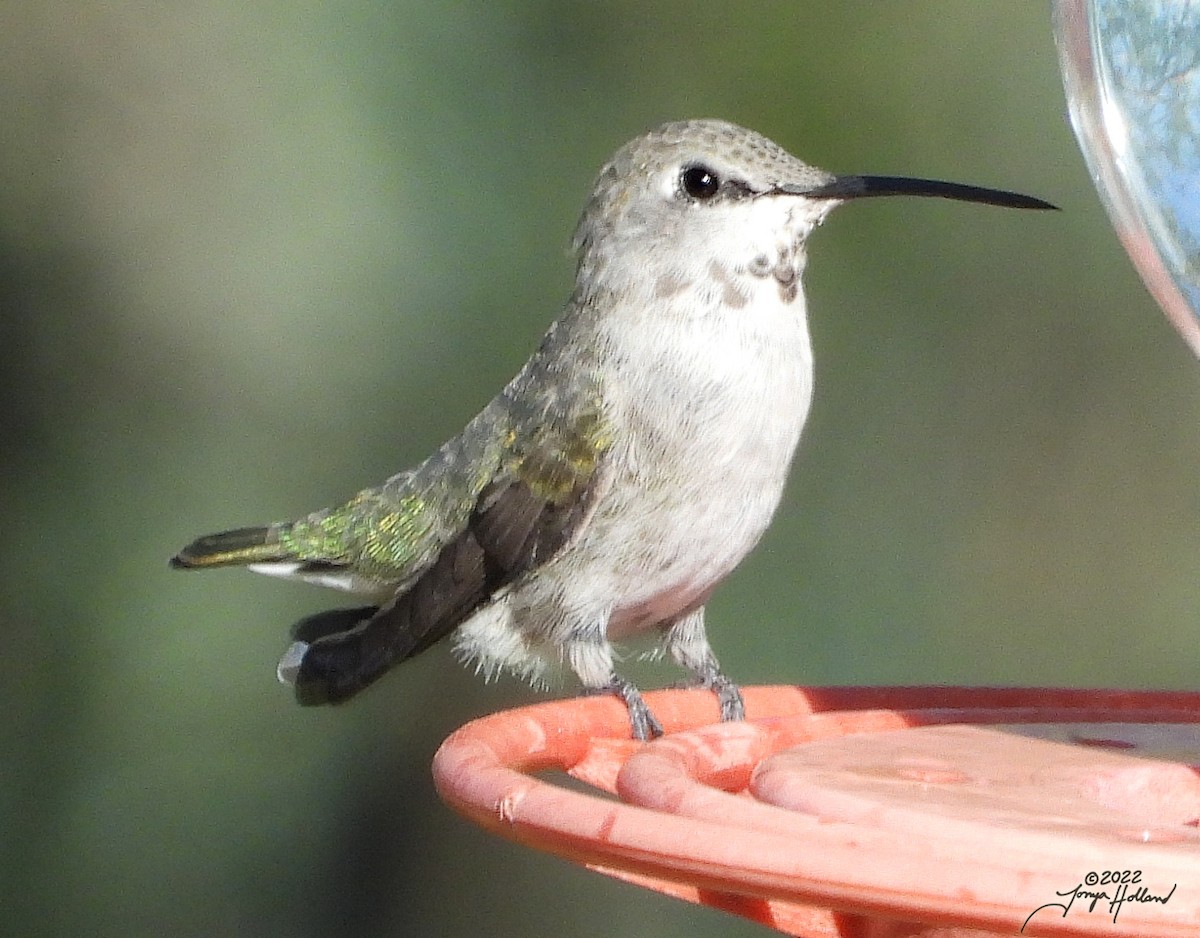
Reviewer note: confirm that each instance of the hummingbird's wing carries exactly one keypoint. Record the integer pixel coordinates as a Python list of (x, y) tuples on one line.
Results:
[(547, 477)]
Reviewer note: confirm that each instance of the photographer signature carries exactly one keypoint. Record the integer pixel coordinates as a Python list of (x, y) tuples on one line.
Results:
[(1126, 885)]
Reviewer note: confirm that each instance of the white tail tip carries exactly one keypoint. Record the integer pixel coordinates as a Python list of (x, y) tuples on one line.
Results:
[(289, 664)]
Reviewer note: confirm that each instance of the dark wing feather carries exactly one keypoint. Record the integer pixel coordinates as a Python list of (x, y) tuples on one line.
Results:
[(515, 526), (330, 622)]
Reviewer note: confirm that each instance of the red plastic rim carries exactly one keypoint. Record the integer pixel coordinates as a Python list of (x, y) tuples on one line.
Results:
[(851, 811)]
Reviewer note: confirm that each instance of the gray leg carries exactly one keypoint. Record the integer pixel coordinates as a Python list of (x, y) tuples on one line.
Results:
[(685, 640), (642, 720), (591, 660)]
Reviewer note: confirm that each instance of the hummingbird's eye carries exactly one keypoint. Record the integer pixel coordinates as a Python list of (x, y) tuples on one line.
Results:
[(699, 182)]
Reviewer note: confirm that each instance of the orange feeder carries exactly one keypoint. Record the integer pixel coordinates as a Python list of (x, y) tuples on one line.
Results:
[(931, 811)]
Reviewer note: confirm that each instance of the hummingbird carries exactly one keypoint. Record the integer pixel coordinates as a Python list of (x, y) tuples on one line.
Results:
[(628, 468)]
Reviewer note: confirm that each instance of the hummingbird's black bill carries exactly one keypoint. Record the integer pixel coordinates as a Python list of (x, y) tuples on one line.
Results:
[(861, 187)]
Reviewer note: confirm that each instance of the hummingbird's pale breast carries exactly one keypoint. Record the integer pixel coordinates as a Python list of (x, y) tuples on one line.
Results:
[(714, 387), (707, 384)]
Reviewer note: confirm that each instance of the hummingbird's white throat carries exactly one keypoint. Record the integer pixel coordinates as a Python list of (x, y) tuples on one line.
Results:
[(783, 224), (735, 254)]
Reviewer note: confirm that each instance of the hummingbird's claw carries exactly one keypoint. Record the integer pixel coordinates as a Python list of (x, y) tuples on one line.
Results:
[(642, 721), (730, 698), (729, 695)]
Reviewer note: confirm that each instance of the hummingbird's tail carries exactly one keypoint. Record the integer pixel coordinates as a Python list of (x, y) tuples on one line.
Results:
[(232, 548)]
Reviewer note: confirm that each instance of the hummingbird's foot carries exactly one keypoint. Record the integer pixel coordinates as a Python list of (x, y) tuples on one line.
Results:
[(729, 696), (686, 641), (644, 723)]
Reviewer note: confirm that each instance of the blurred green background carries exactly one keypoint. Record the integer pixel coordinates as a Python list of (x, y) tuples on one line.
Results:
[(254, 257)]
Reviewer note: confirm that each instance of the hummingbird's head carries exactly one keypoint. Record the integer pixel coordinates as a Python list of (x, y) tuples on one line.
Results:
[(705, 198), (691, 194)]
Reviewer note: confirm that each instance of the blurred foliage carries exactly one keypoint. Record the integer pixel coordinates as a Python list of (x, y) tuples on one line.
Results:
[(253, 257)]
